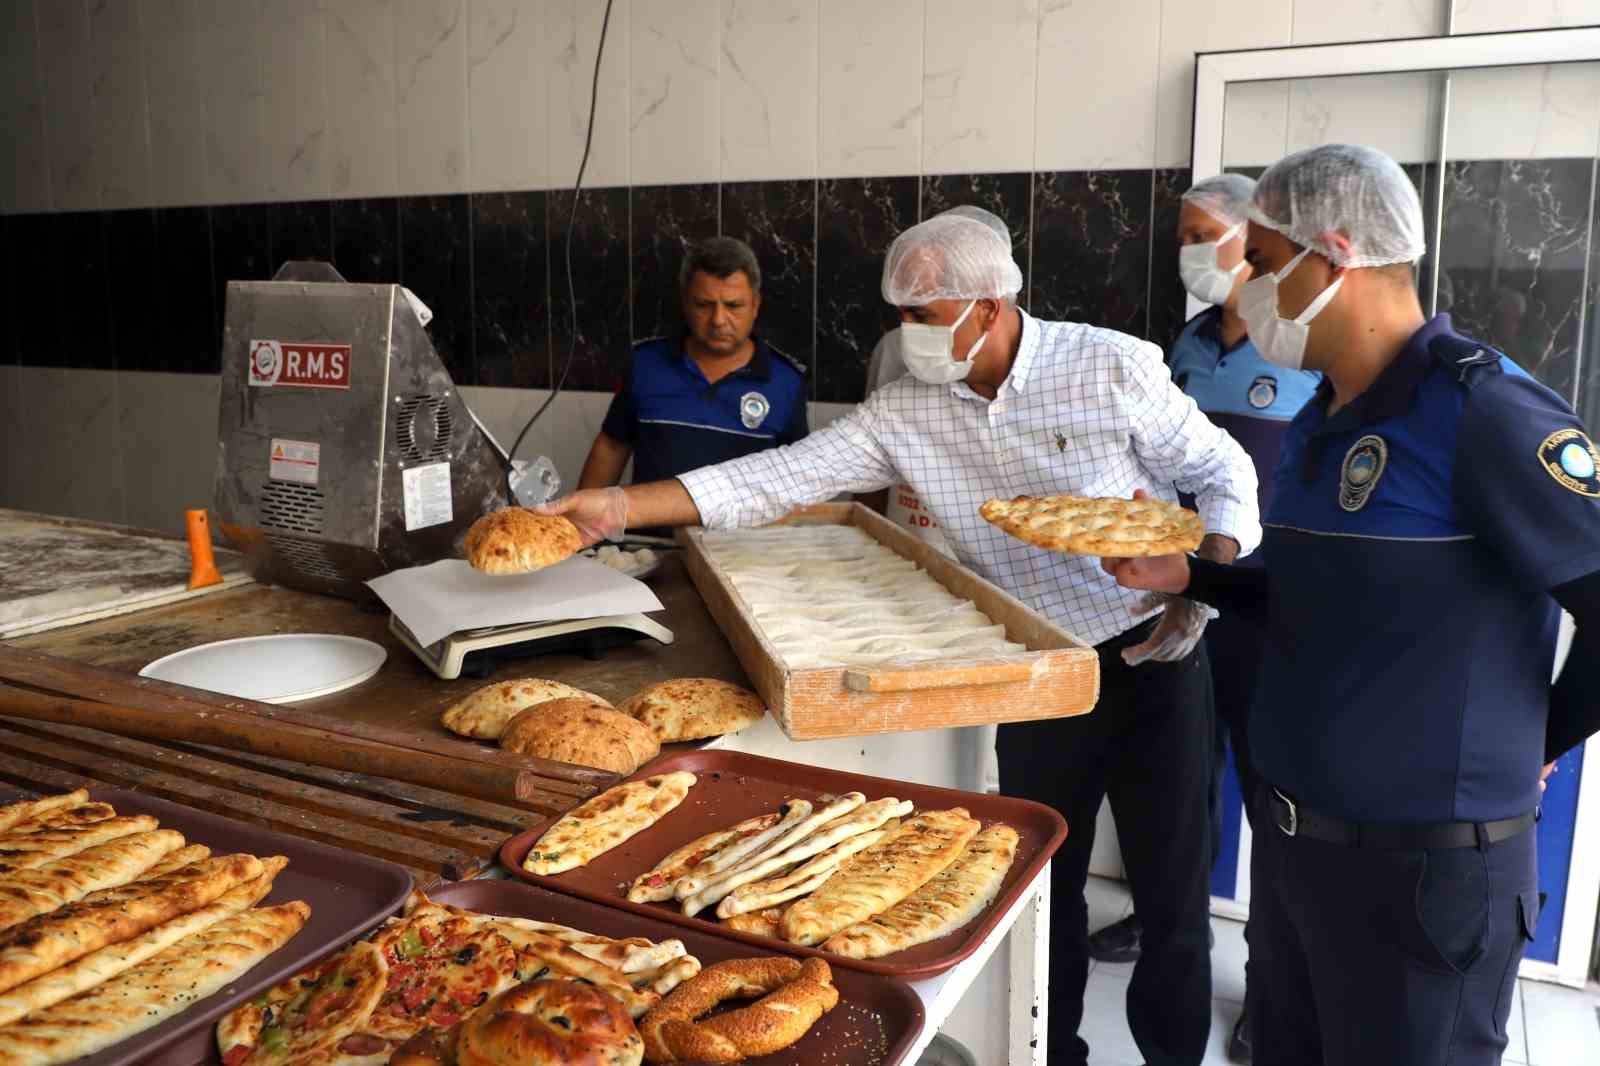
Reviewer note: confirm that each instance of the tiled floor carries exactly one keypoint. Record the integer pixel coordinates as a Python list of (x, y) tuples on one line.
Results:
[(1549, 1026)]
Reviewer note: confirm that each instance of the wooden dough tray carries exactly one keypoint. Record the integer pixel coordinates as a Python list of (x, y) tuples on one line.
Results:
[(731, 786), (875, 1024), (1056, 677)]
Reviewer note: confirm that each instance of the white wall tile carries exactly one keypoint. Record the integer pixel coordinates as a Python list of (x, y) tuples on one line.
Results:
[(1187, 28), (362, 147), (175, 102), (1366, 20), (1395, 113), (768, 85), (871, 87), (1255, 124), (572, 39), (70, 423), (1524, 112), (431, 95), (16, 482), (167, 434), (24, 174), (978, 87), (674, 132), (1096, 102), (230, 82), (122, 131), (1490, 16), (66, 62), (294, 100), (507, 101)]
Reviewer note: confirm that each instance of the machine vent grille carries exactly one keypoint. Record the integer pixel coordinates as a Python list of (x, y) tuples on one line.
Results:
[(305, 557), (422, 429), (291, 507)]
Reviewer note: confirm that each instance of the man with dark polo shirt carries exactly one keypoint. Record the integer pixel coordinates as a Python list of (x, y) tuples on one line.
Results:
[(713, 393)]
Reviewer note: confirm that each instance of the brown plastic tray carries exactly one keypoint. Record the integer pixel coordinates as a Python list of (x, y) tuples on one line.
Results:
[(876, 1022), (349, 893), (733, 786)]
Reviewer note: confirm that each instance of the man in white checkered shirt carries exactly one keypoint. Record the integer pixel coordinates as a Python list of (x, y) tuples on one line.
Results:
[(1000, 404)]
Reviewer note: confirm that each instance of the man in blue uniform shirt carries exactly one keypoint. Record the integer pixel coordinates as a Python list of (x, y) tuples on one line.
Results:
[(715, 393), (1433, 508)]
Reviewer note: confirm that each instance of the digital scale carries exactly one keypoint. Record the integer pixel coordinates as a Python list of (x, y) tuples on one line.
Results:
[(477, 652)]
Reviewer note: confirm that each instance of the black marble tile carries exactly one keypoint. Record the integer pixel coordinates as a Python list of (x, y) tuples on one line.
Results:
[(1516, 239), (778, 220), (1091, 247), (436, 264), (301, 229), (86, 339), (239, 251), (665, 220), (1168, 298), (366, 240), (857, 220), (139, 329), (193, 317), (510, 290), (8, 312), (36, 288), (598, 353), (1007, 195)]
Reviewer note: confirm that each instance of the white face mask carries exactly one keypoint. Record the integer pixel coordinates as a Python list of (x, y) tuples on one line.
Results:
[(1197, 266), (1281, 341), (929, 351)]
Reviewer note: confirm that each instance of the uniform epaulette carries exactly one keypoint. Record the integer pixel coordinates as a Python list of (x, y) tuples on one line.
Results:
[(1467, 359), (800, 368)]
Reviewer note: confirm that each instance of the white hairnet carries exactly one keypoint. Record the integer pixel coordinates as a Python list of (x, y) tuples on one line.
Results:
[(978, 214), (949, 257), (1345, 188), (1225, 197)]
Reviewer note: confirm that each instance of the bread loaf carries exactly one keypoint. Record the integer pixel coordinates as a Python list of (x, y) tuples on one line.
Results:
[(516, 540), (584, 732)]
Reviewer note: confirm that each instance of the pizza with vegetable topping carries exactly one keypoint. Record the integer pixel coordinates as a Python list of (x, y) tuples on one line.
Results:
[(310, 1013), (441, 968)]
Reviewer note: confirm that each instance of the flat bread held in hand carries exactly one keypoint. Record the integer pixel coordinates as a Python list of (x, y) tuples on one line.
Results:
[(601, 823), (485, 714), (517, 541), (584, 732), (656, 885), (692, 708), (1106, 526), (883, 875), (954, 897)]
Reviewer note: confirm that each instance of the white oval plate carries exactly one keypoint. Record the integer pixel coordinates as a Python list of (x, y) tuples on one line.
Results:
[(280, 668)]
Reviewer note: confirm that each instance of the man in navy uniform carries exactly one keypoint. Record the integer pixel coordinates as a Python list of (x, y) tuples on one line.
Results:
[(1434, 507), (714, 393)]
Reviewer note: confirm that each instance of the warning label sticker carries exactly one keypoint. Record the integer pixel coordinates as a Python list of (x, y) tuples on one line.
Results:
[(295, 460), (427, 495)]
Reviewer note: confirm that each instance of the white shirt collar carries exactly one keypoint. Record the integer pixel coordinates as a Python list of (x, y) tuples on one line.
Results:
[(1021, 366)]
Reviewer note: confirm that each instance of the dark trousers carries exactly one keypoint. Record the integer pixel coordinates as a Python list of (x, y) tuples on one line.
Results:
[(1234, 648), (1363, 956), (1146, 745)]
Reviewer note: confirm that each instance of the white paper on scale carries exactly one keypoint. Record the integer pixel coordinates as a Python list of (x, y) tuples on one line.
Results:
[(427, 495), (449, 596)]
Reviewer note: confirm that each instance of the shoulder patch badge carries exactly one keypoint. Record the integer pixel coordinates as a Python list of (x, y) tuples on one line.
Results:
[(1363, 466), (1263, 391), (753, 408), (1569, 456)]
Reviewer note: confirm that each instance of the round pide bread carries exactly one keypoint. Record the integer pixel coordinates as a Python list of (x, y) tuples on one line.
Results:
[(584, 732), (517, 541), (550, 1021), (485, 714), (691, 708)]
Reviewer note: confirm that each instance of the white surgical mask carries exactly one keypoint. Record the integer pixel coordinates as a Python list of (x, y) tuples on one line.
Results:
[(1197, 266), (1281, 341), (929, 351)]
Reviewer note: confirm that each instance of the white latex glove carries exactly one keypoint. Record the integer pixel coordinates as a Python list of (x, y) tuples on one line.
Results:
[(1182, 623), (599, 514)]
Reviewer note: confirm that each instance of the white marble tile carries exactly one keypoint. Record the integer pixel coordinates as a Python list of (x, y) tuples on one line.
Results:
[(1491, 16), (1396, 113), (674, 132), (768, 86), (66, 61), (1187, 28), (572, 40), (1255, 124), (1524, 112), (230, 83), (69, 419), (1108, 901), (1096, 105), (1516, 1031), (564, 433), (294, 100), (362, 152), (978, 87), (1366, 20), (176, 103), (870, 73), (25, 175), (1105, 1021), (1228, 957), (122, 131), (431, 95), (1224, 1015), (167, 429), (1105, 858), (1563, 1025), (510, 134), (820, 414)]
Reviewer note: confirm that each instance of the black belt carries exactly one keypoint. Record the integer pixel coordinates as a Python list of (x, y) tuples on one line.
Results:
[(1292, 819)]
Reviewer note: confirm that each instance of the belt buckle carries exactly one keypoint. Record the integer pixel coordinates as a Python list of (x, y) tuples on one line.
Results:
[(1294, 815)]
